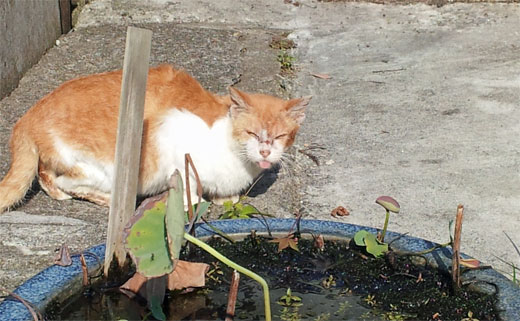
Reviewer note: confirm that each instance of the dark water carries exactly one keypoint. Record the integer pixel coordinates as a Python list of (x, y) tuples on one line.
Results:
[(329, 305), (334, 283)]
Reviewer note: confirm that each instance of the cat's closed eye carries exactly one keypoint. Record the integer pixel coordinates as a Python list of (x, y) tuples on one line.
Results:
[(280, 136), (250, 133)]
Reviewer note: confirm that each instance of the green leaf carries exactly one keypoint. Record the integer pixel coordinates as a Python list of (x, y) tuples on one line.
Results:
[(204, 206), (388, 203), (154, 293), (155, 307), (238, 210), (146, 242), (175, 215), (200, 208), (226, 215), (228, 205), (359, 237), (249, 210), (375, 247), (290, 300), (293, 244)]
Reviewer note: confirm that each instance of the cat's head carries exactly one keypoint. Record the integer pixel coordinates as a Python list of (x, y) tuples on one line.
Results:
[(265, 125)]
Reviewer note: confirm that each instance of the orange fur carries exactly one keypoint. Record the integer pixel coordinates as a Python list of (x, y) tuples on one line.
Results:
[(267, 113), (82, 114)]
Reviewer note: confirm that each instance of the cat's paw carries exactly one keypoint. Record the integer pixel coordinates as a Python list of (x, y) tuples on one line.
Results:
[(221, 200)]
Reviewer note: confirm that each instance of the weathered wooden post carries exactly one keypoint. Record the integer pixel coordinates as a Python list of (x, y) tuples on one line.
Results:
[(455, 261), (129, 134)]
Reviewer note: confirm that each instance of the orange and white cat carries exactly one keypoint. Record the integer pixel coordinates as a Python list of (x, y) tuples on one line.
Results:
[(68, 138)]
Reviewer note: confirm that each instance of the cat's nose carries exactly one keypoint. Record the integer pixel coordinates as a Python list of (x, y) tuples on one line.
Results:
[(265, 152)]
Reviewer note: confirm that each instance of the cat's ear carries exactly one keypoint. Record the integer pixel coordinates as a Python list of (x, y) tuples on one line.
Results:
[(296, 108), (238, 102)]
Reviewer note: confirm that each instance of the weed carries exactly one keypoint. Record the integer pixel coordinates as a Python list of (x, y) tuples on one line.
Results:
[(370, 300), (343, 307), (286, 61), (290, 314), (470, 317), (215, 273), (376, 245), (516, 280), (238, 210), (329, 282), (323, 317), (290, 300), (281, 42)]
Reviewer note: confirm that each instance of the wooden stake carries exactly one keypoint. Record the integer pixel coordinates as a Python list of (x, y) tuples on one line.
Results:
[(84, 269), (65, 16), (129, 134), (455, 261), (232, 297), (188, 162)]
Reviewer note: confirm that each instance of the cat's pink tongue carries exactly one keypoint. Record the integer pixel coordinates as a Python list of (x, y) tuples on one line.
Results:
[(264, 164)]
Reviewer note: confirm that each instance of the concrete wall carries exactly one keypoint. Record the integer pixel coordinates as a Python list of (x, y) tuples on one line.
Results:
[(27, 29)]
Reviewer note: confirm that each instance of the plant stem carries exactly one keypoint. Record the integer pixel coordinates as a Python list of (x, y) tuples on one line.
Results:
[(438, 246), (387, 218), (217, 230), (237, 267), (37, 316)]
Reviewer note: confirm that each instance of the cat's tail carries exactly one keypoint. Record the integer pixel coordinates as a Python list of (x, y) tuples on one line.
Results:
[(24, 167)]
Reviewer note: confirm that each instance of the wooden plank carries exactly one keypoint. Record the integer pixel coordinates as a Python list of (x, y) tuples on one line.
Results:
[(129, 134), (455, 260), (232, 296), (65, 16)]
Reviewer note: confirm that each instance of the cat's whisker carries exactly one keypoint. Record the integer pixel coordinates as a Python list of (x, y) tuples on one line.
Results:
[(286, 165), (243, 156)]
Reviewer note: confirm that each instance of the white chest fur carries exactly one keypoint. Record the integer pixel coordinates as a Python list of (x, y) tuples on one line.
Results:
[(221, 162)]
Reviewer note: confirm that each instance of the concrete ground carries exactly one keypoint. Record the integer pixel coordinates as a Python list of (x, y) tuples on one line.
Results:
[(421, 104)]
